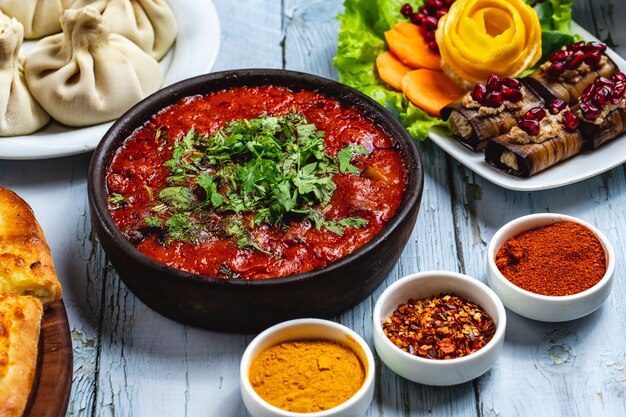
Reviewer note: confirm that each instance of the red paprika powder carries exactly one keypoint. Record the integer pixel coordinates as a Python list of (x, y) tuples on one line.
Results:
[(564, 258)]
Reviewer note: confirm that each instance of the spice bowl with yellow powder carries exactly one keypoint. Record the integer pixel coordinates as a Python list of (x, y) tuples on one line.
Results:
[(550, 267), (311, 367), (439, 328)]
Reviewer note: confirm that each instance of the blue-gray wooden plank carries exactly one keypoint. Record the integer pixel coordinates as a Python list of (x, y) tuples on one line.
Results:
[(131, 361)]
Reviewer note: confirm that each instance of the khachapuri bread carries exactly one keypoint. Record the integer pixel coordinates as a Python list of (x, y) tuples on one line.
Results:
[(25, 262), (20, 324)]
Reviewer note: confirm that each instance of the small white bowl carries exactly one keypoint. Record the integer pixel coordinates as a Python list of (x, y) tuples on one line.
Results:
[(438, 371), (303, 329), (543, 307)]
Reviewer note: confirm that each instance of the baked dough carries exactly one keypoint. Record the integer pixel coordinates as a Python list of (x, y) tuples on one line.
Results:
[(25, 262), (20, 323)]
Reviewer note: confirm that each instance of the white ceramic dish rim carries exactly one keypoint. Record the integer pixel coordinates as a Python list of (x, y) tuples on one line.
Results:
[(578, 168), (552, 218), (253, 346), (500, 328), (198, 29)]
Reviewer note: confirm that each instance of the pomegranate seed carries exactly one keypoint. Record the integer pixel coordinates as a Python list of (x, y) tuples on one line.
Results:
[(556, 69), (432, 6), (536, 113), (559, 56), (617, 95), (529, 126), (511, 94), (575, 60), (589, 110), (479, 92), (512, 83), (494, 99), (602, 96), (430, 23), (597, 46), (432, 45), (430, 36), (592, 58), (619, 76), (441, 13), (588, 92), (603, 81), (576, 46), (494, 83), (406, 10), (417, 18), (570, 121), (557, 105), (448, 3)]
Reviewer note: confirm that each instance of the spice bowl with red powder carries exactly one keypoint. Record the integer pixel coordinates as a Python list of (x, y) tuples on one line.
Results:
[(550, 267), (439, 328), (307, 367)]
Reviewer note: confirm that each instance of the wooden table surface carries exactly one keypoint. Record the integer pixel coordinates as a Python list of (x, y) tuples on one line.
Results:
[(129, 361)]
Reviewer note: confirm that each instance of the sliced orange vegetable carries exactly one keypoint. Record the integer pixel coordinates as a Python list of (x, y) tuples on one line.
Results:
[(408, 44), (430, 90), (391, 70)]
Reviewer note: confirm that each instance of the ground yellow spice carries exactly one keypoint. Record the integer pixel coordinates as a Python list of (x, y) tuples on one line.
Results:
[(307, 376)]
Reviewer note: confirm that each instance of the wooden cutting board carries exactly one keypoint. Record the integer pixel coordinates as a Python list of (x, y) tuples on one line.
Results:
[(51, 389)]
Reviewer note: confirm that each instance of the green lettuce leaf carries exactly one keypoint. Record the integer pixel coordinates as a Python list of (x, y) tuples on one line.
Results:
[(361, 40)]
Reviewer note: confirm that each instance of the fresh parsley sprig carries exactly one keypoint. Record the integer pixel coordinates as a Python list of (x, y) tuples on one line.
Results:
[(270, 166)]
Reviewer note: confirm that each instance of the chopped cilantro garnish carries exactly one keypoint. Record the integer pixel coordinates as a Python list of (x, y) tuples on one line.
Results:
[(269, 166), (117, 198)]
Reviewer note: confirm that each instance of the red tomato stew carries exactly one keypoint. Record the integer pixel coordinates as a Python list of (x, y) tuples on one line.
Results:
[(255, 183)]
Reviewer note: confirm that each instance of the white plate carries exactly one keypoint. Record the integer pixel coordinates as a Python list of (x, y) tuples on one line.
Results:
[(193, 53), (578, 168)]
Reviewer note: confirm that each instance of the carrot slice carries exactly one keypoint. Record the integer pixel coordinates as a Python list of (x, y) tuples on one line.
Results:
[(430, 90), (408, 44), (391, 70)]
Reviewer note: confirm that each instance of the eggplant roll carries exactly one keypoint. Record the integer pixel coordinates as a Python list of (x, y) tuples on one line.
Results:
[(595, 135), (568, 91), (524, 160), (474, 129)]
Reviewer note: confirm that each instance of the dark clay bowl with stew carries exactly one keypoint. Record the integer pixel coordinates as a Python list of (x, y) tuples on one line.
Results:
[(239, 199)]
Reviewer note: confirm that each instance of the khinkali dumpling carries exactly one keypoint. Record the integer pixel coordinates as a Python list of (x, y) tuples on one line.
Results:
[(87, 75), (151, 24), (39, 17), (19, 112)]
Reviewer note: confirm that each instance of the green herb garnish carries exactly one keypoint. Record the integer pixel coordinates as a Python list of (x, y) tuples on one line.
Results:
[(269, 166), (117, 198)]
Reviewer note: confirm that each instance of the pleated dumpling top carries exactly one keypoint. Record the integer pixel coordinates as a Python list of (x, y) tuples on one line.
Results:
[(88, 75), (39, 17), (151, 24)]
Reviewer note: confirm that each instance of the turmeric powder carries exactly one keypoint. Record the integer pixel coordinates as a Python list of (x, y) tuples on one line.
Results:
[(307, 376)]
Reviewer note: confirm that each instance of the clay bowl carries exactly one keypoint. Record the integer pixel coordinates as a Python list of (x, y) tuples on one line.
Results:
[(242, 305)]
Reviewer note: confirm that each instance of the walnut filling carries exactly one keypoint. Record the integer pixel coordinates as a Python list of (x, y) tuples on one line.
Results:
[(509, 159), (608, 108), (549, 127), (460, 125), (574, 76), (470, 103)]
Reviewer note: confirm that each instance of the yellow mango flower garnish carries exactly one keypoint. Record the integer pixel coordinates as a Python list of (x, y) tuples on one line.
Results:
[(477, 38)]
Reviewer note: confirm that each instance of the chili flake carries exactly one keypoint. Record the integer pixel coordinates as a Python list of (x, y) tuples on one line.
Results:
[(439, 327)]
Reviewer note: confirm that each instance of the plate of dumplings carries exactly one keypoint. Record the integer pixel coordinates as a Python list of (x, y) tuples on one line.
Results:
[(69, 68)]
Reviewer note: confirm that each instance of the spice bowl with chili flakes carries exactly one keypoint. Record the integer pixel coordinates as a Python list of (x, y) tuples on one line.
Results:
[(439, 328), (550, 267), (311, 367)]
